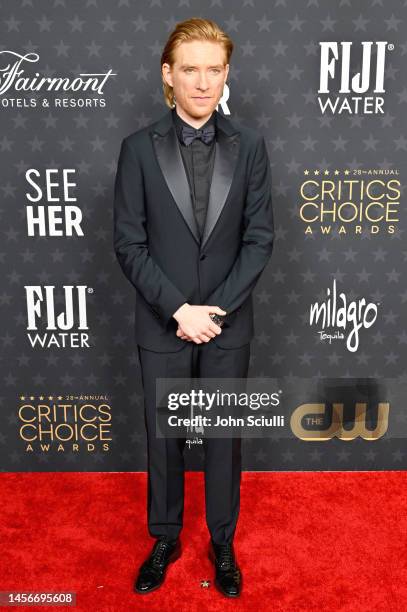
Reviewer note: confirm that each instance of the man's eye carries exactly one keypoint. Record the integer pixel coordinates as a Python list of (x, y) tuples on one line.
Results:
[(215, 70)]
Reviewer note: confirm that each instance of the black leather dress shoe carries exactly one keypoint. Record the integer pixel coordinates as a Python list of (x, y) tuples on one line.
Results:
[(228, 577), (152, 572)]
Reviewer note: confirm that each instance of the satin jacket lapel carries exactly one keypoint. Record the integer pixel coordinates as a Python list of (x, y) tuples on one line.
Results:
[(226, 153), (169, 157)]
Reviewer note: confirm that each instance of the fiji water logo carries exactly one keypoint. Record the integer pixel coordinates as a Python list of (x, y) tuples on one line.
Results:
[(339, 318), (341, 88)]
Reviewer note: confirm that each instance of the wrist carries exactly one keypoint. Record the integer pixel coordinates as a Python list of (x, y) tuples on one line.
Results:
[(181, 310)]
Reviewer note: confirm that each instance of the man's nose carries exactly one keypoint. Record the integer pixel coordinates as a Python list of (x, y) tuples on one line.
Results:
[(202, 82)]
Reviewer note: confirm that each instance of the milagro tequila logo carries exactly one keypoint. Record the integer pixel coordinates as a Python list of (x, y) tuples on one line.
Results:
[(13, 78), (61, 330), (337, 314), (335, 65)]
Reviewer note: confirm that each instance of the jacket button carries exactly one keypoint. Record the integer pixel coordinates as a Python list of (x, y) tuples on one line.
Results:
[(203, 256)]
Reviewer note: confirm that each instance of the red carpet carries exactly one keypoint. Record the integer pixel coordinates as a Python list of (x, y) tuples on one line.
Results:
[(305, 541)]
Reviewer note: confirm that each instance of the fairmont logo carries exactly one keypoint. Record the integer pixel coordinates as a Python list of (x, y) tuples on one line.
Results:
[(337, 314), (12, 68)]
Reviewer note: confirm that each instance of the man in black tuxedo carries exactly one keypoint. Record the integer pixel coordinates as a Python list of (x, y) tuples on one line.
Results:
[(193, 230)]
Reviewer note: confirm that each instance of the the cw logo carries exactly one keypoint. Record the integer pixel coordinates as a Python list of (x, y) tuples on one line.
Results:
[(309, 413)]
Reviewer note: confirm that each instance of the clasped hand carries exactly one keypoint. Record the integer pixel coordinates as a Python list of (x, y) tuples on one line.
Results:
[(194, 323)]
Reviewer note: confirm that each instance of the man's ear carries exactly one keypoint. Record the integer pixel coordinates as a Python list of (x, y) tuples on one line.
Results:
[(165, 74)]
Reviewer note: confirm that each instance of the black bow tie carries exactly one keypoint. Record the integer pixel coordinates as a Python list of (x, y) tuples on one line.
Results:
[(206, 134)]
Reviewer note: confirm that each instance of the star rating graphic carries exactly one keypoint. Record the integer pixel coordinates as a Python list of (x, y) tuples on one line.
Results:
[(325, 172)]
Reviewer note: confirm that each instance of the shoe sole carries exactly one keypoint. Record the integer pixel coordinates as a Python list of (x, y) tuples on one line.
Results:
[(211, 557), (176, 555)]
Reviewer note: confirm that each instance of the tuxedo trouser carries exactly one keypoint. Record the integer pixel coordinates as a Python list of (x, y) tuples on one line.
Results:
[(165, 492)]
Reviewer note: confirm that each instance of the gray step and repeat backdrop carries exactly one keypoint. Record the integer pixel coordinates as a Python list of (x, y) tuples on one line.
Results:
[(324, 81)]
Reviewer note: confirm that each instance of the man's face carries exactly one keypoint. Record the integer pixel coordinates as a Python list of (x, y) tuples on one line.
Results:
[(197, 76)]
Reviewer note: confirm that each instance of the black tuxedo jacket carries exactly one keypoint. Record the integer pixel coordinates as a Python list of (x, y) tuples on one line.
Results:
[(156, 238)]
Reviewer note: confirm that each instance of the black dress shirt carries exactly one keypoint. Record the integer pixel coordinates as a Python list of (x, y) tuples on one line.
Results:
[(198, 159)]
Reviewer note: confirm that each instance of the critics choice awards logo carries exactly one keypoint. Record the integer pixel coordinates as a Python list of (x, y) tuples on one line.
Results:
[(62, 423), (350, 201)]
